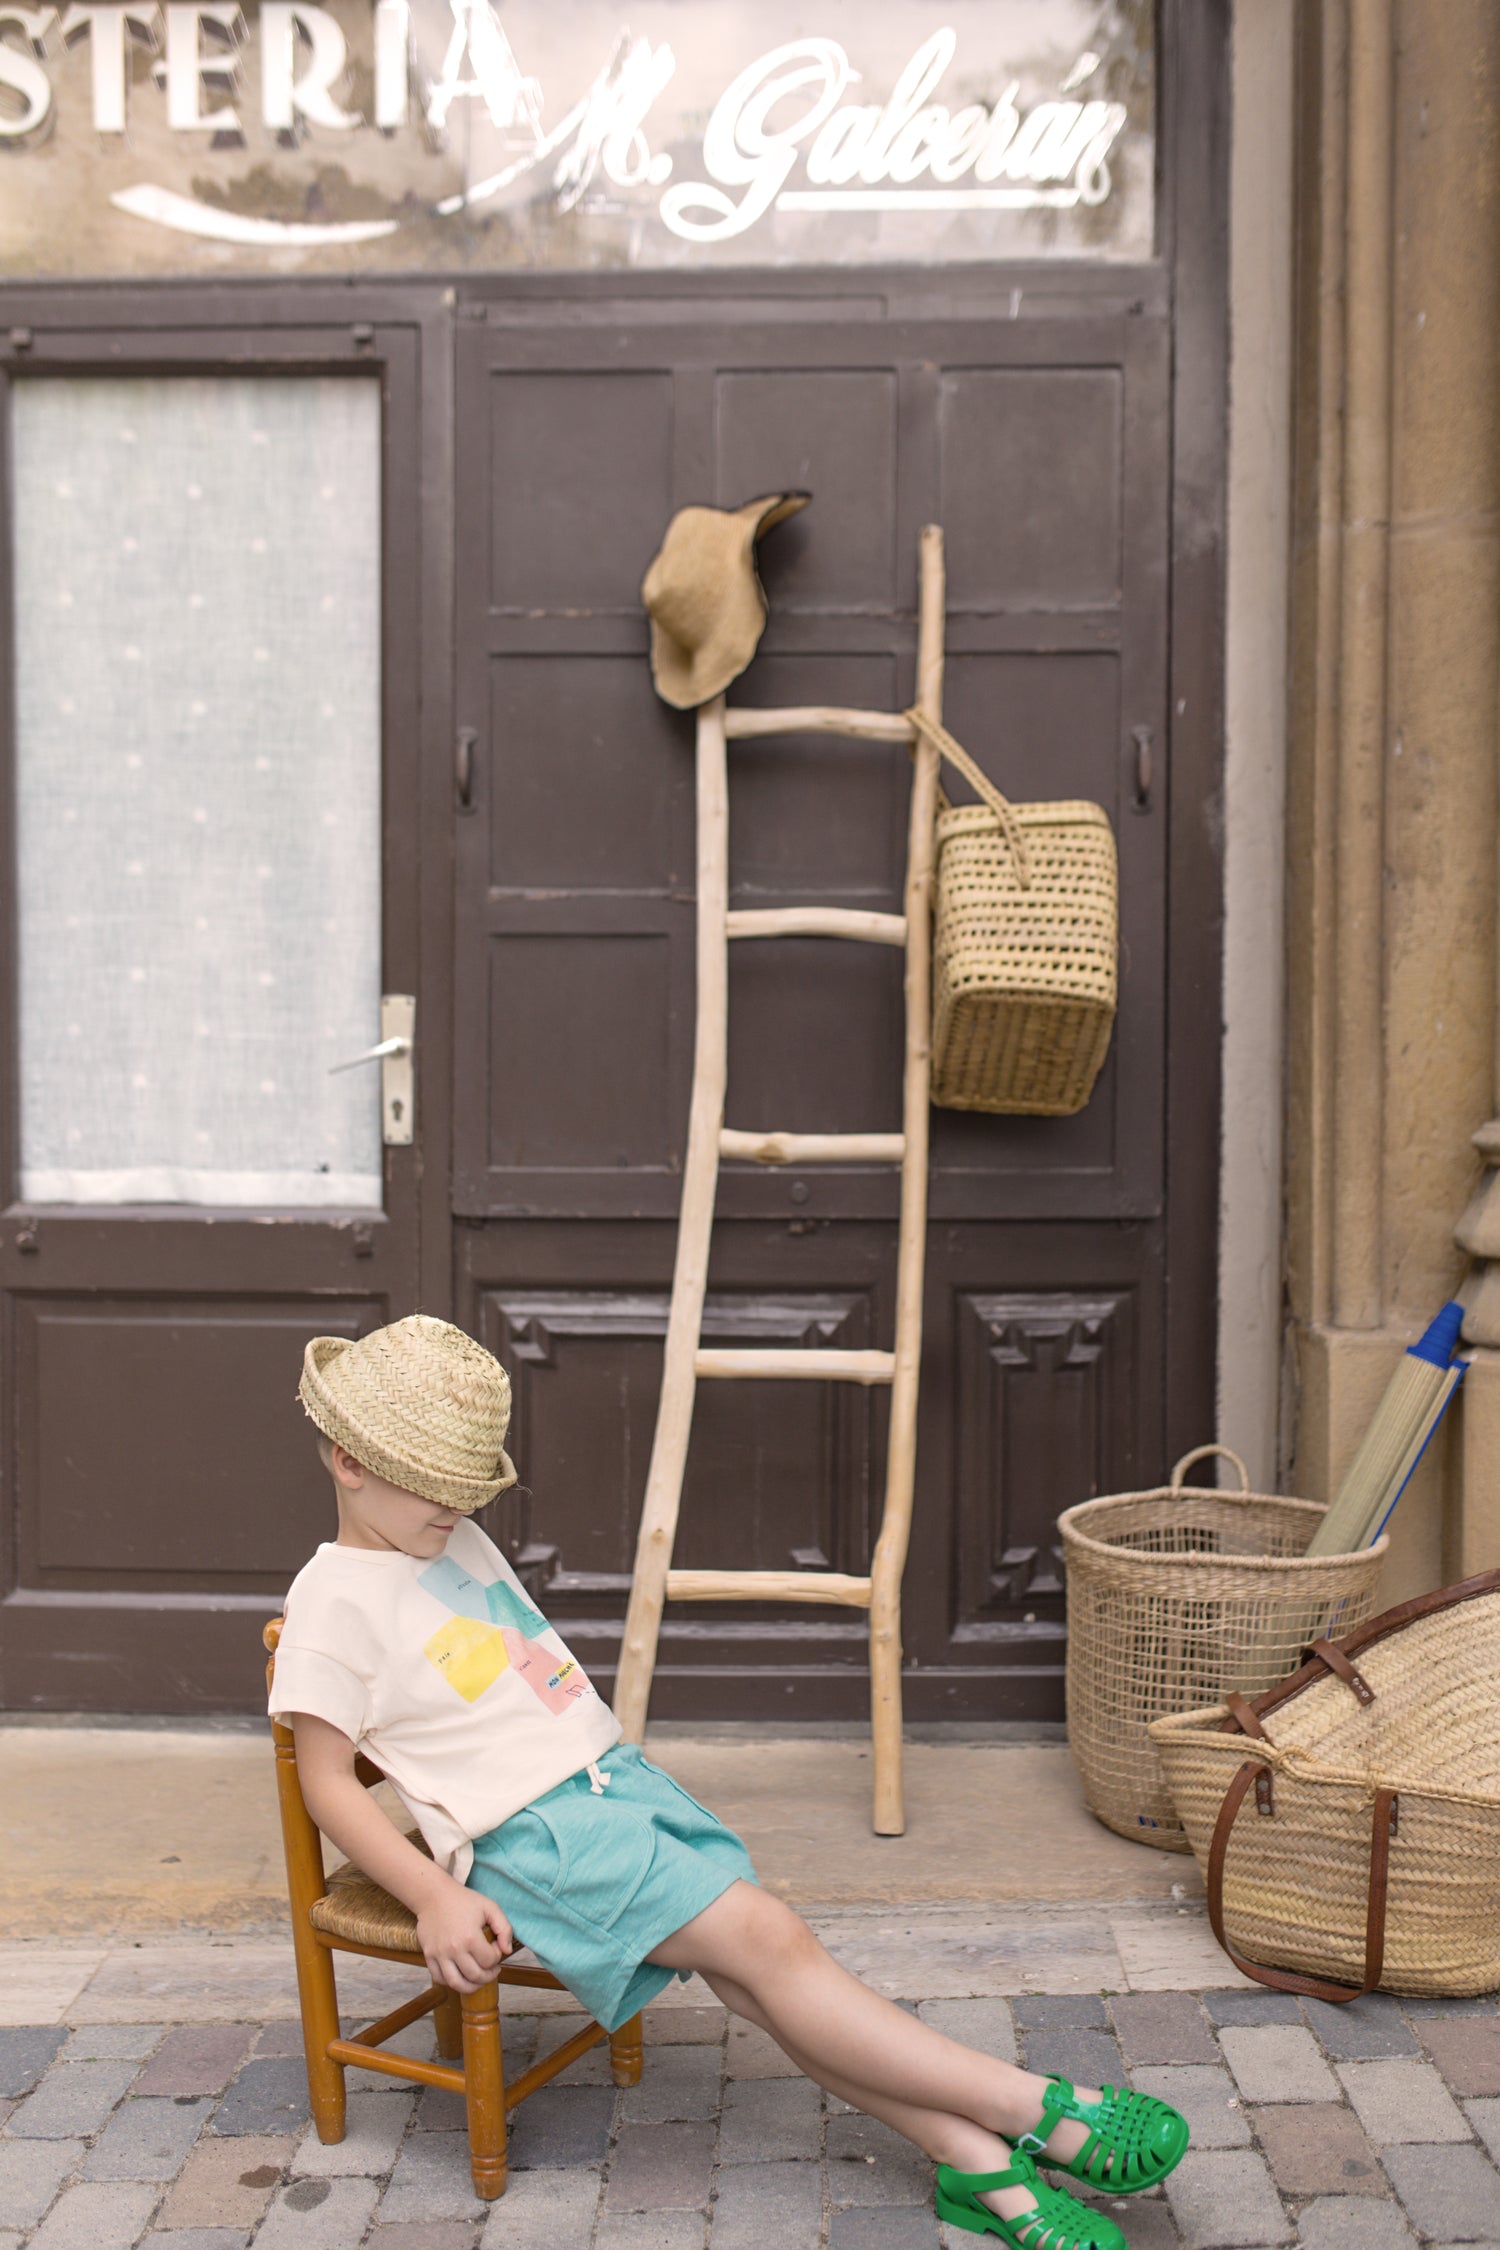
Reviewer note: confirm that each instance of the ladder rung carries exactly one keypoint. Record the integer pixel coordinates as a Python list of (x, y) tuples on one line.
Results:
[(768, 1586), (813, 1366), (817, 921), (814, 1148), (742, 725)]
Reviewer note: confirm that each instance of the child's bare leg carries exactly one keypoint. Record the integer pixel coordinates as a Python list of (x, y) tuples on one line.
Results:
[(838, 2030), (946, 2139)]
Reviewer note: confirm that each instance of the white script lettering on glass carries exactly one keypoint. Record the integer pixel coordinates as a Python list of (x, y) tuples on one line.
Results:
[(188, 67), (106, 30), (860, 156), (286, 97), (796, 106), (21, 70)]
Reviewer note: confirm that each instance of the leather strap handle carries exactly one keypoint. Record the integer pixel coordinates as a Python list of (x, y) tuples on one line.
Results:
[(1383, 1828), (1244, 1711), (1329, 1653)]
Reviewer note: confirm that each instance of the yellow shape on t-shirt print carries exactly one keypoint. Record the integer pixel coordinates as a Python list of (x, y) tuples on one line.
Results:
[(470, 1656)]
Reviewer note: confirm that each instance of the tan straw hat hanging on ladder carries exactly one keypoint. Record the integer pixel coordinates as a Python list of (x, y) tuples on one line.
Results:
[(707, 605), (419, 1403)]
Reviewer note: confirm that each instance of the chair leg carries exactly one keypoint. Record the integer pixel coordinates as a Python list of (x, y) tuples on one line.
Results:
[(448, 2021), (318, 1993), (627, 2052), (484, 2089)]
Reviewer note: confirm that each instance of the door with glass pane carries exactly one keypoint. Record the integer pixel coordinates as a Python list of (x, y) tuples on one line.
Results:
[(211, 727)]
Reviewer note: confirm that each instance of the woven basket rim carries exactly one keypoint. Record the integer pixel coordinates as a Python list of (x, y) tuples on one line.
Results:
[(1203, 1729), (1059, 812), (1201, 1556)]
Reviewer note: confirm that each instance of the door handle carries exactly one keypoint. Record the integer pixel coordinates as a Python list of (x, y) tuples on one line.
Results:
[(372, 1054), (463, 768), (1140, 738), (393, 1052)]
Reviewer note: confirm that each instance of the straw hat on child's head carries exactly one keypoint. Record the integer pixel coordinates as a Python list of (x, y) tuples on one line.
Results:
[(708, 608), (419, 1403)]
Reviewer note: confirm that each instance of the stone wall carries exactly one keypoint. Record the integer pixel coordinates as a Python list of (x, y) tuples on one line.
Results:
[(1395, 690)]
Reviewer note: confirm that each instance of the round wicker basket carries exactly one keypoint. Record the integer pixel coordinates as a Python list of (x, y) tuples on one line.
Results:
[(1175, 1596)]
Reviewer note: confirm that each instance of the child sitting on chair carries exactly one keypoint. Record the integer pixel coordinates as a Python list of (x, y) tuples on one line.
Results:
[(411, 1639)]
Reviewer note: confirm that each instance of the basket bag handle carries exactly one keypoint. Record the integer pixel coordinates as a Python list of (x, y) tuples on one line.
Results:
[(942, 741), (1383, 1828), (1203, 1453)]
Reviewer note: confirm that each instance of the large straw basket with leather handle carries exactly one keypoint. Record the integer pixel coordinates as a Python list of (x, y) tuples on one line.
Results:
[(1348, 1821), (1175, 1596), (1024, 970)]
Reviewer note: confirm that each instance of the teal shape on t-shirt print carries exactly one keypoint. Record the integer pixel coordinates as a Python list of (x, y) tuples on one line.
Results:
[(499, 1604)]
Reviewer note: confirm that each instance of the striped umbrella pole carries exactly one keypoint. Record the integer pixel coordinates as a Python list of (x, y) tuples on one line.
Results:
[(1413, 1406)]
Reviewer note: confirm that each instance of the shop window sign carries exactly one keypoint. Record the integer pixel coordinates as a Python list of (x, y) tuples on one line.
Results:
[(578, 134)]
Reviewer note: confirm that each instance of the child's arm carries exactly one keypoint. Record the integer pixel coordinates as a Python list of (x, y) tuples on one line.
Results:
[(463, 1936)]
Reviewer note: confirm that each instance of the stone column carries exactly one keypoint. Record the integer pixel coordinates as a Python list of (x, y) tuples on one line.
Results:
[(1478, 1544), (1392, 802)]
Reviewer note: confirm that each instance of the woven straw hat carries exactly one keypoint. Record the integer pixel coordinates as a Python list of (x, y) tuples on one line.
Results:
[(707, 604), (419, 1403)]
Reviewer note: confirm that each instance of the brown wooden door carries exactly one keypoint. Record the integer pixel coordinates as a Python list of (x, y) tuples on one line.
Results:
[(1042, 446), (234, 742)]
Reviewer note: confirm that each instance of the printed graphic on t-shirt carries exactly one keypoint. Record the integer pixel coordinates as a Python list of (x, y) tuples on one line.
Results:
[(471, 1657), (500, 1604), (474, 1646)]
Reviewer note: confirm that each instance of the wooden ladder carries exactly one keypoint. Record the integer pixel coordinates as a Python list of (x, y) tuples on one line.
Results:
[(710, 1140)]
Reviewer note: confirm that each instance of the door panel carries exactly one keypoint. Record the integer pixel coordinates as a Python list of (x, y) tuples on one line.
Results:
[(587, 801), (776, 429), (564, 529), (1047, 686), (1030, 486), (579, 1029), (98, 1378), (1036, 1389), (1048, 1386), (1041, 444), (569, 1347), (197, 1194)]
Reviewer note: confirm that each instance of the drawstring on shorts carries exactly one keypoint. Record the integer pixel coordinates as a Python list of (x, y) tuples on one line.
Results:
[(598, 1782)]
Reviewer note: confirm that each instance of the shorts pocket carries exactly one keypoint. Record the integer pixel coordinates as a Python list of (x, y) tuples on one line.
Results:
[(673, 1796), (528, 1851), (586, 1857)]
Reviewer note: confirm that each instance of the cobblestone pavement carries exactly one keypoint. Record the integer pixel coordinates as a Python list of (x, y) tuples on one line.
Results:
[(1364, 2128)]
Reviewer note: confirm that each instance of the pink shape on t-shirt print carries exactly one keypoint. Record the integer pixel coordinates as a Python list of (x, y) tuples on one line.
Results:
[(556, 1681)]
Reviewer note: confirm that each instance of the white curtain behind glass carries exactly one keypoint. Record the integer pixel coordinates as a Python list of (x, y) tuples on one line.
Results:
[(197, 570)]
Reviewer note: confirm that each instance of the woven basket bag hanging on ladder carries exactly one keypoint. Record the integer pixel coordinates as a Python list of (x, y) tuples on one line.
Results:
[(1024, 973)]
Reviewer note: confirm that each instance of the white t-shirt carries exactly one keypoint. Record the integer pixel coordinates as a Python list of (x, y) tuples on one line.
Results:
[(447, 1676)]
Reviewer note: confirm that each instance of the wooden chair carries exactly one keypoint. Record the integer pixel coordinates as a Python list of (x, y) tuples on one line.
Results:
[(347, 1913)]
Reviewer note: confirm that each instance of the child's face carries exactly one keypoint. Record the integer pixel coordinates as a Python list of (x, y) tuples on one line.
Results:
[(382, 1516)]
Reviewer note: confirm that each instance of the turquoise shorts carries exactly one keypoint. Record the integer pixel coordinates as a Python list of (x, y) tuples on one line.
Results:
[(593, 1882)]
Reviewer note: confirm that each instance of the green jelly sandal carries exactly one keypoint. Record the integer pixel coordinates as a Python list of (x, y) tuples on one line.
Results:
[(1134, 2139), (1056, 2222)]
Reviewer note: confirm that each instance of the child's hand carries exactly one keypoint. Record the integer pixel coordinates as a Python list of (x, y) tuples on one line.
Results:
[(464, 1938)]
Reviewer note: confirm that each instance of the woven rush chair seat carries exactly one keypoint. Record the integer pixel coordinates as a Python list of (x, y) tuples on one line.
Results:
[(345, 1911), (356, 1909)]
